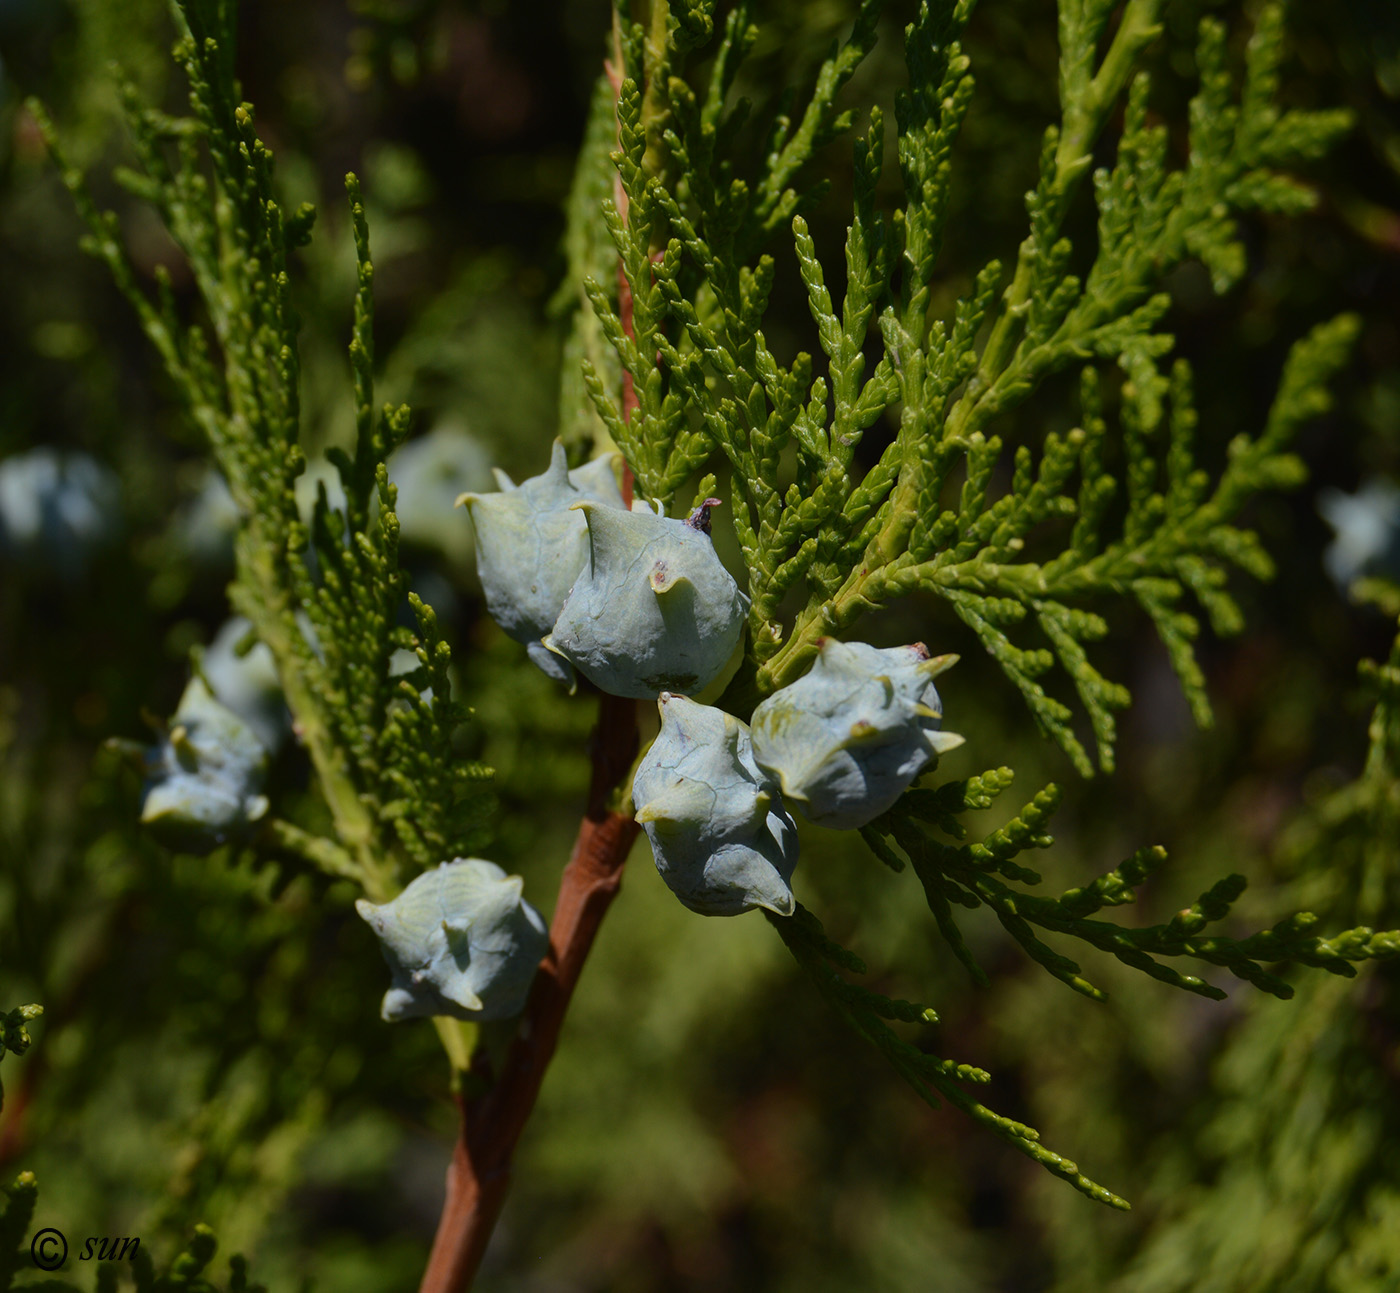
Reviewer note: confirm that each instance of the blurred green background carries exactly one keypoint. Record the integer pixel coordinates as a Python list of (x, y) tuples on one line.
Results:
[(211, 1047)]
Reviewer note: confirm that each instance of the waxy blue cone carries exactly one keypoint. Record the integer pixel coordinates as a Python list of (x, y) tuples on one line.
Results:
[(531, 546), (721, 838), (846, 740), (460, 940), (654, 609), (204, 780)]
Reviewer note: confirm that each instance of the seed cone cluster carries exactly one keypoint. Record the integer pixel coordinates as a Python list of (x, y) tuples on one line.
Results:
[(636, 602), (641, 605)]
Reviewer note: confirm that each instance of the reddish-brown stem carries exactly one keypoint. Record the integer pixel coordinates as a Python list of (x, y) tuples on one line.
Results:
[(479, 1175), (12, 1137)]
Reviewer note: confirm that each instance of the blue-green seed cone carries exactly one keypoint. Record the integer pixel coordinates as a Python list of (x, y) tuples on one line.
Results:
[(461, 941), (845, 741), (204, 780), (721, 838), (531, 544), (247, 682), (56, 510), (654, 609), (431, 472)]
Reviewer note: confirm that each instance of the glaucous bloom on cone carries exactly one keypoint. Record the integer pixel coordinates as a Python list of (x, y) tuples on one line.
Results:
[(846, 740), (204, 780), (531, 546), (721, 838), (654, 609), (460, 940)]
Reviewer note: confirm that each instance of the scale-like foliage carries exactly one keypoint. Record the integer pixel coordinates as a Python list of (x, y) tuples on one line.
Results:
[(1025, 543), (973, 875), (1303, 1127), (327, 598), (1079, 521), (869, 1014), (990, 874), (856, 540)]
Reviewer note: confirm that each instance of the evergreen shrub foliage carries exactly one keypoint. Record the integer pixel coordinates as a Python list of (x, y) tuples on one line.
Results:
[(892, 464)]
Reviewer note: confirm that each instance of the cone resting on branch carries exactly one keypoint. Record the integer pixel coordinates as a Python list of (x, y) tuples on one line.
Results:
[(461, 940), (720, 835), (531, 544), (654, 610), (848, 738)]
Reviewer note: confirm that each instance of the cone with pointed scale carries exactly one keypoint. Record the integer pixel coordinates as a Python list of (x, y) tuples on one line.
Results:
[(460, 940), (721, 838), (654, 609), (531, 545), (204, 780), (846, 740)]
